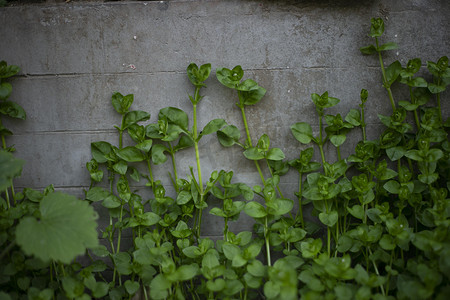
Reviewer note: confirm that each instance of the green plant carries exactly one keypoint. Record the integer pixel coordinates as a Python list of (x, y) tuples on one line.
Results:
[(382, 213), (384, 208), (41, 233)]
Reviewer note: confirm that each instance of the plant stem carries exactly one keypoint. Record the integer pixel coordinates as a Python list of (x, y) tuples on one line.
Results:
[(249, 139), (266, 238), (416, 117), (149, 167), (300, 208), (363, 122), (321, 142), (7, 249), (197, 158), (385, 82), (174, 167), (376, 271)]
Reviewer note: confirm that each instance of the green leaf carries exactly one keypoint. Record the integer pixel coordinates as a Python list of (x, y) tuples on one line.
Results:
[(158, 156), (212, 126), (376, 27), (353, 117), (417, 82), (130, 154), (414, 155), (256, 268), (338, 140), (10, 167), (65, 229), (392, 186), (215, 285), (131, 286), (121, 167), (100, 150), (230, 78), (387, 242), (275, 154), (388, 46), (183, 197), (329, 219), (302, 132), (111, 201), (184, 142), (392, 72), (5, 90), (198, 75), (8, 71), (159, 287), (255, 210), (357, 211), (395, 153), (435, 89), (253, 154), (175, 116), (229, 135), (97, 194), (253, 95), (133, 117), (145, 145), (121, 103), (272, 289), (368, 50), (12, 109)]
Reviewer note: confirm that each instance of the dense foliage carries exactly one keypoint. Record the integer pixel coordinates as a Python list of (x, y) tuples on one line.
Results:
[(382, 213)]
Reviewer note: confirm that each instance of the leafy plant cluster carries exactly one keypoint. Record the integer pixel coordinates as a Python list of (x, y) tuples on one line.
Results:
[(381, 230)]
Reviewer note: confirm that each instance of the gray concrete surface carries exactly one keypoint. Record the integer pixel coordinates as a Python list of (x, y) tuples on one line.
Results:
[(73, 56)]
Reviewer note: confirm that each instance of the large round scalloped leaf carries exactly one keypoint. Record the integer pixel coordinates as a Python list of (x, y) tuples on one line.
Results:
[(67, 227)]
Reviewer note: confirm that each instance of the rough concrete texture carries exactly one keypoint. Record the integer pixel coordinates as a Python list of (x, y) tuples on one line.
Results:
[(73, 56)]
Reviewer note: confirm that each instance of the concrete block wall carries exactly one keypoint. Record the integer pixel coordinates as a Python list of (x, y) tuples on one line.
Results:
[(74, 55)]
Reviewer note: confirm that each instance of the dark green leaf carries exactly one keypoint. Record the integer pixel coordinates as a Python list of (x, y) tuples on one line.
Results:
[(97, 194), (134, 117), (5, 90), (253, 154), (255, 210), (388, 46), (368, 50), (10, 167), (212, 126), (158, 156), (121, 103), (229, 135), (130, 154), (230, 78), (198, 75), (99, 151), (8, 71), (13, 110), (302, 132), (175, 116)]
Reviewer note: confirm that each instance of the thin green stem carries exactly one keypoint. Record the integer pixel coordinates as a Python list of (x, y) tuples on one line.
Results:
[(438, 98), (385, 82), (249, 139), (300, 206), (7, 249), (174, 167), (363, 123), (321, 142), (416, 116), (376, 271), (266, 237), (150, 173)]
